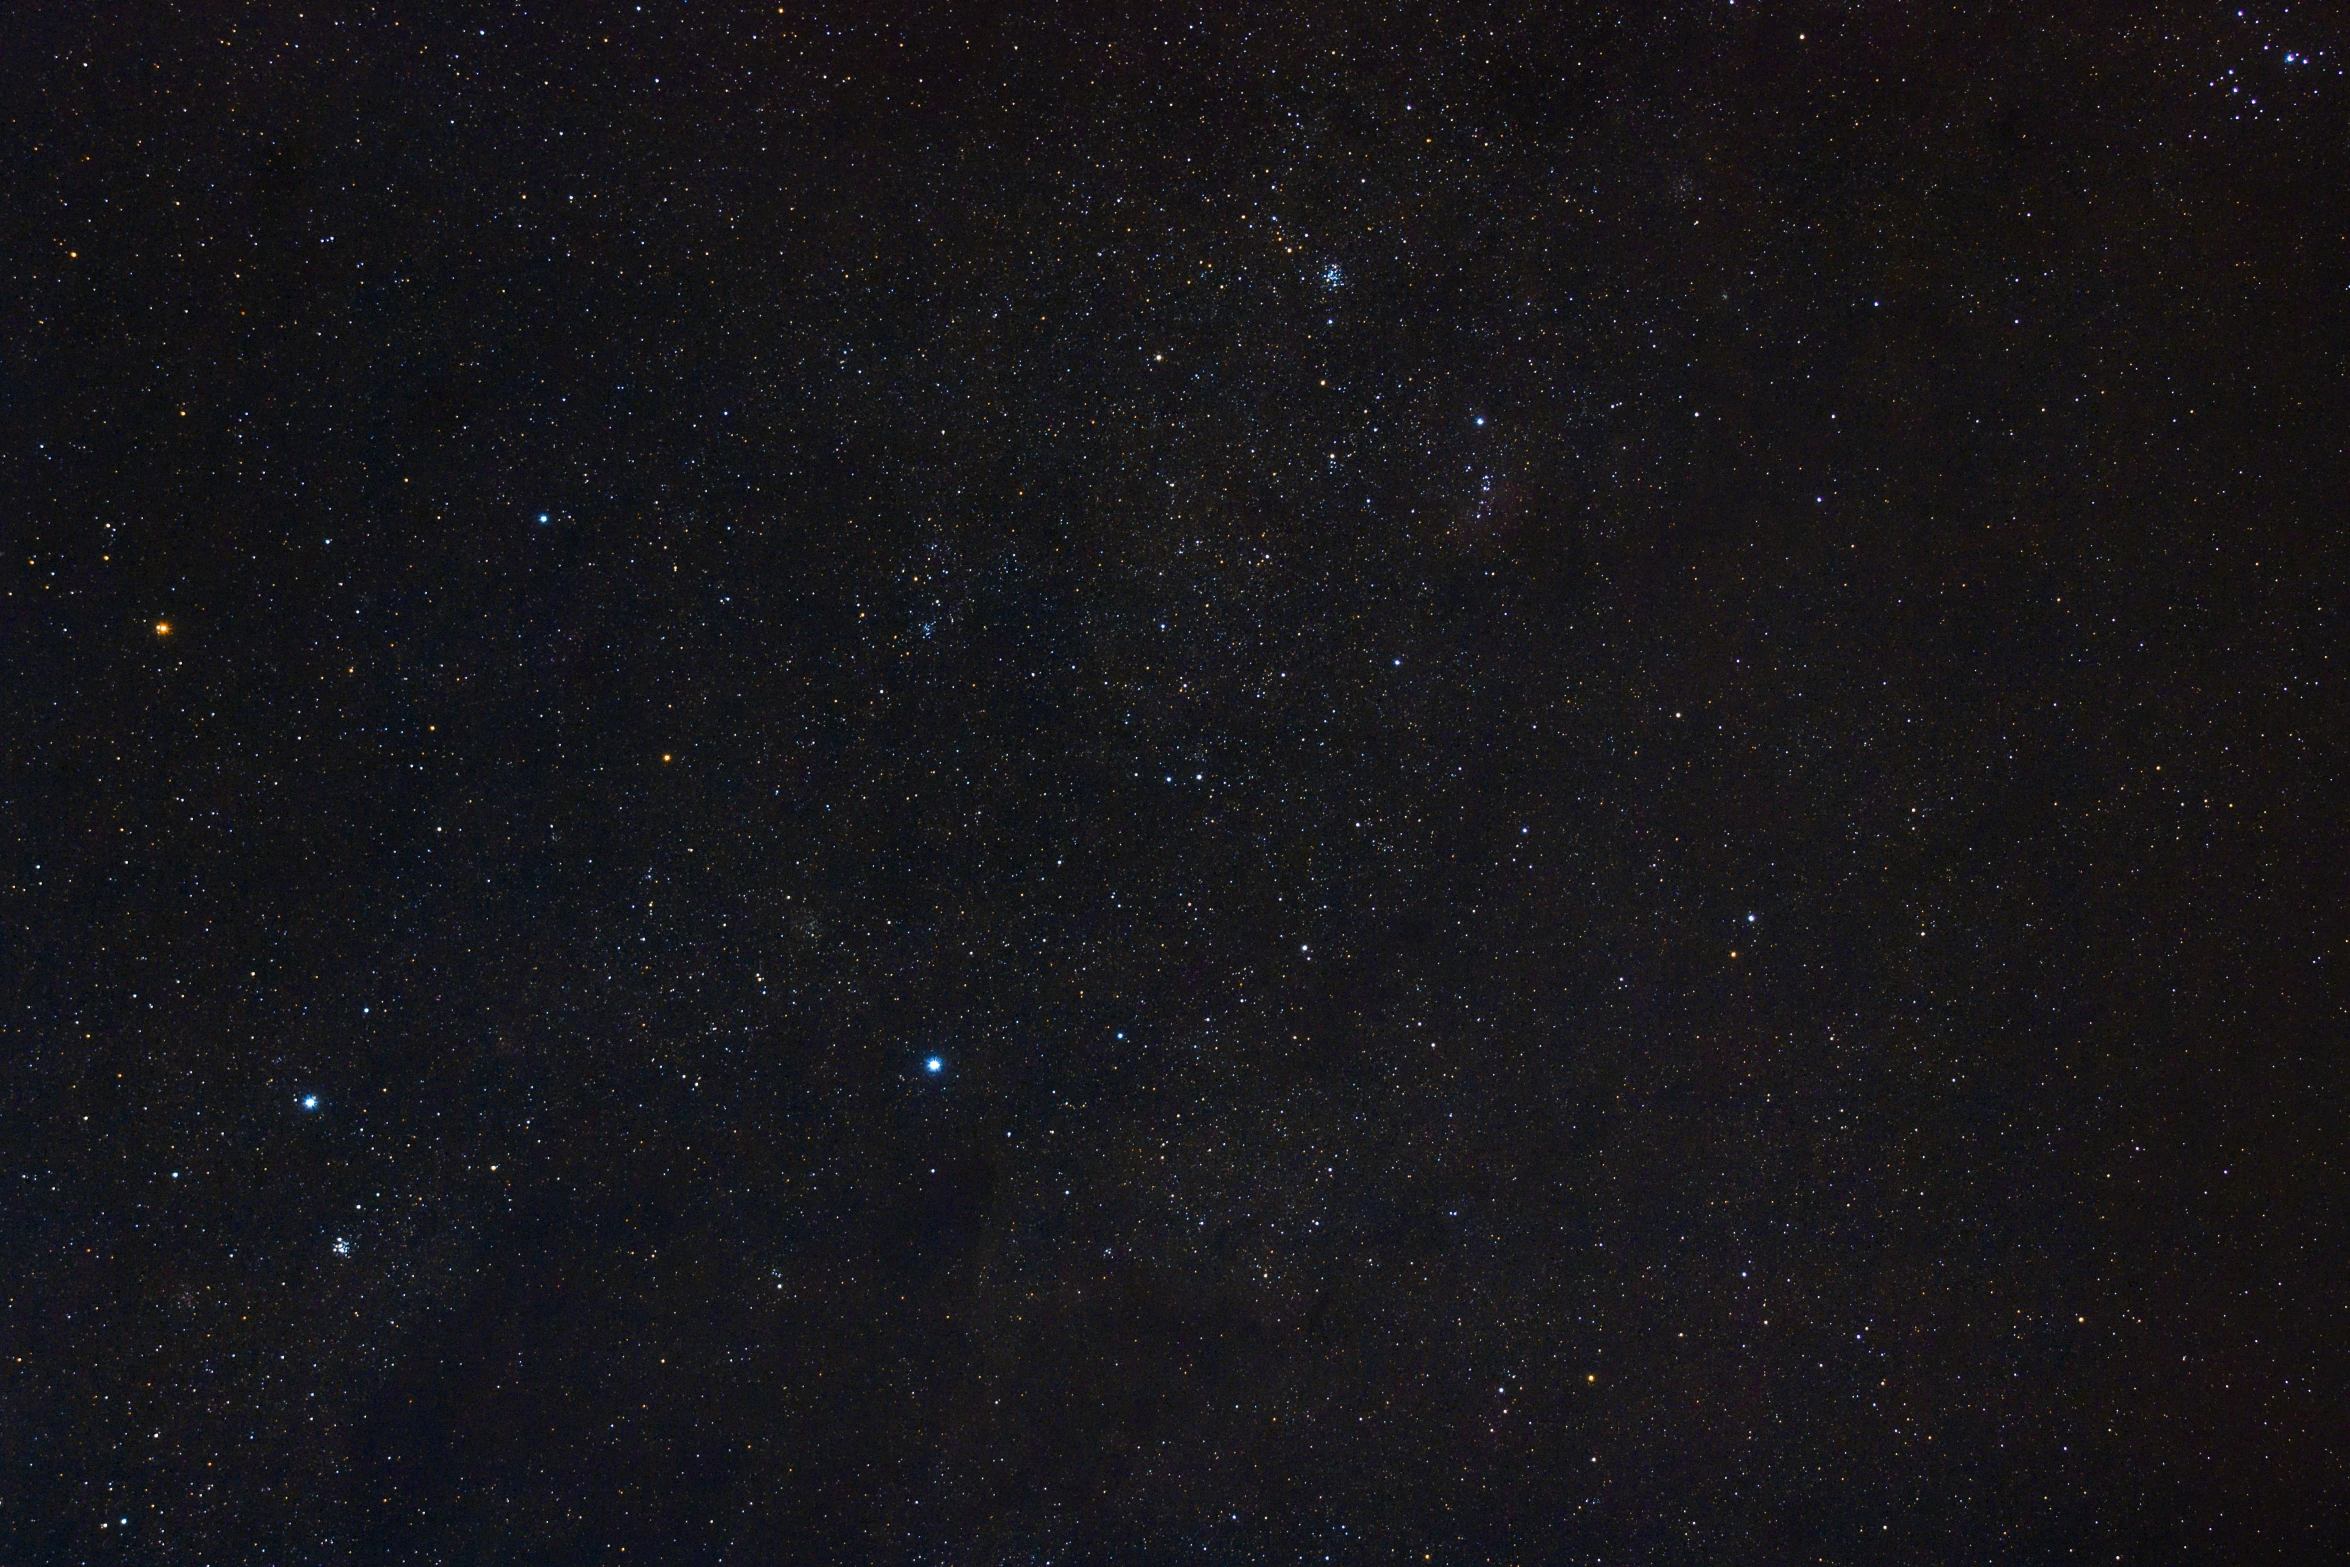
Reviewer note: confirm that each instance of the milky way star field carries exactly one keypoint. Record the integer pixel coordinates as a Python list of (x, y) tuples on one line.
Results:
[(1005, 784)]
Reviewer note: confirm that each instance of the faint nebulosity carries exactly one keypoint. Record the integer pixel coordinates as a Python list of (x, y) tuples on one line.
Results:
[(1140, 784)]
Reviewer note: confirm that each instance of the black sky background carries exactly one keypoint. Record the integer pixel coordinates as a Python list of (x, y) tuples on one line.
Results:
[(1603, 747)]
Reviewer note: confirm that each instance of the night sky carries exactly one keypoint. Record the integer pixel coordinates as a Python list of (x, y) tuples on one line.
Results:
[(1133, 784)]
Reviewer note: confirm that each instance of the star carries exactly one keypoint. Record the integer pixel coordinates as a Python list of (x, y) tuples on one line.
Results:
[(918, 610)]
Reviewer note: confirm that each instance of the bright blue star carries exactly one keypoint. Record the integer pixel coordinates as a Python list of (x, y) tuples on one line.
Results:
[(542, 516), (309, 1101), (934, 1065)]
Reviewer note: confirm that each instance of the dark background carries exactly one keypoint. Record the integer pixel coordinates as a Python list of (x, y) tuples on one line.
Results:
[(1602, 744)]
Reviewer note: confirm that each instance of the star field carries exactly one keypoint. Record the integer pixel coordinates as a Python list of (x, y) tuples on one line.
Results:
[(926, 784)]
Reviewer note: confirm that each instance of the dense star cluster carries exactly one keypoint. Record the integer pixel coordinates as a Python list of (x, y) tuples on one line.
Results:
[(1134, 784)]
